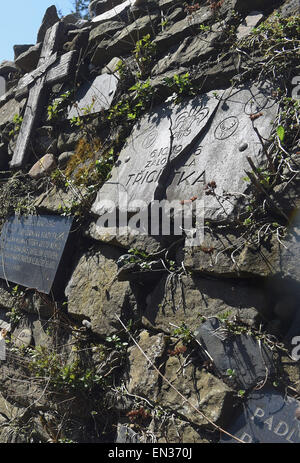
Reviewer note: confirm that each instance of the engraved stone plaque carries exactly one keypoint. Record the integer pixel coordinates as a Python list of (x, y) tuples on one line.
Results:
[(219, 158), (155, 142), (177, 151), (268, 416), (31, 249)]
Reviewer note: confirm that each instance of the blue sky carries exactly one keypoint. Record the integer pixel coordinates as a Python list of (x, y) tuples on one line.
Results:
[(20, 21)]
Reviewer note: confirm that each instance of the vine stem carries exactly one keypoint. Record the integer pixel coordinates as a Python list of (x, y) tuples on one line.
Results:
[(176, 390)]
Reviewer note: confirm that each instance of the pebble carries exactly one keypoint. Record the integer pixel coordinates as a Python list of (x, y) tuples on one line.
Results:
[(243, 146)]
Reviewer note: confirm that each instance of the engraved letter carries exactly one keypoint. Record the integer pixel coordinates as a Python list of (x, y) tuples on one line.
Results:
[(284, 431)]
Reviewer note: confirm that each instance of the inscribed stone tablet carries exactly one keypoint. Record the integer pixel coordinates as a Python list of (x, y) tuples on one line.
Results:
[(31, 249), (160, 138), (220, 156), (23, 337), (93, 97), (267, 417)]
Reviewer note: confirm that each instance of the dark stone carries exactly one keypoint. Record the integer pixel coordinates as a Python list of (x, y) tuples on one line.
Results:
[(123, 42), (97, 7), (19, 49), (72, 18), (243, 146), (64, 158), (267, 417), (28, 60), (6, 67), (32, 248), (104, 31), (4, 158), (240, 354), (49, 19), (244, 6)]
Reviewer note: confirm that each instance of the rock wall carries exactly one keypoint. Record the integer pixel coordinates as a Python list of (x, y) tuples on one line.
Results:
[(152, 100)]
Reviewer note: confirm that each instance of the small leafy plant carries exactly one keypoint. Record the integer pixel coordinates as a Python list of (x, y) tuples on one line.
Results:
[(116, 343), (183, 333), (144, 54), (57, 106), (180, 85), (17, 121), (130, 109)]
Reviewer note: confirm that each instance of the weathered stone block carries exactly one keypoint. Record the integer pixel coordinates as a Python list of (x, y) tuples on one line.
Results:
[(94, 294), (188, 300)]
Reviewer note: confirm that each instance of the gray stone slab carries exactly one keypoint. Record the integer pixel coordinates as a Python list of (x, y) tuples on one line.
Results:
[(290, 8), (268, 416), (123, 42), (155, 142), (9, 109), (28, 60), (94, 97), (97, 7), (126, 435), (22, 337), (114, 12), (104, 30), (2, 86), (241, 354), (4, 325), (252, 20), (220, 155)]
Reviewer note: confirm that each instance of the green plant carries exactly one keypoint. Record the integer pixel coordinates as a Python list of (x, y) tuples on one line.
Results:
[(129, 110), (116, 343), (121, 69), (204, 28), (143, 95), (144, 54), (15, 315), (138, 253), (276, 40), (49, 364), (57, 178), (164, 24), (230, 372), (180, 85), (17, 121), (280, 133), (57, 106), (225, 315), (76, 121), (183, 333), (86, 110)]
